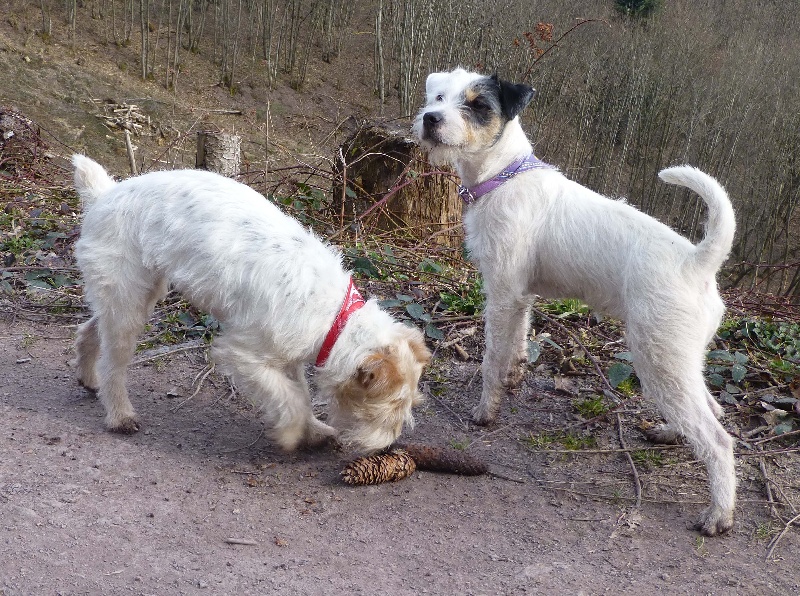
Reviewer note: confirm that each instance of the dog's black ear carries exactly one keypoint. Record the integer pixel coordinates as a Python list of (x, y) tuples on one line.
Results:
[(513, 97)]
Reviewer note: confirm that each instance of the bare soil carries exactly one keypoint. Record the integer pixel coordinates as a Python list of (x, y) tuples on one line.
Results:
[(85, 511)]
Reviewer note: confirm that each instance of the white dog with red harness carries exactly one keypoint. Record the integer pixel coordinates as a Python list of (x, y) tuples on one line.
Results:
[(531, 231), (280, 294)]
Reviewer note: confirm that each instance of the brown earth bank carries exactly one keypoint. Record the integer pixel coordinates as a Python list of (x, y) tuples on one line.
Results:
[(84, 511)]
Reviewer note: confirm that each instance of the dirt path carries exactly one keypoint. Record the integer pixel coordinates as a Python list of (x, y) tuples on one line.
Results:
[(84, 511)]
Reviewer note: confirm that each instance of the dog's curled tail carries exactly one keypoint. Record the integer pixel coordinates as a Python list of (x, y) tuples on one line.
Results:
[(712, 251), (91, 179)]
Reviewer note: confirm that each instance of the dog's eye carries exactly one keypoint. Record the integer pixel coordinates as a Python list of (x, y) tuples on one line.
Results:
[(479, 105), (440, 97)]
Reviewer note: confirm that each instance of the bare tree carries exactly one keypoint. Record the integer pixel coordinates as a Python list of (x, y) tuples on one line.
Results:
[(47, 22), (144, 16)]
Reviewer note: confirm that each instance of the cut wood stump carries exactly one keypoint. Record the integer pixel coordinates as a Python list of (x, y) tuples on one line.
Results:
[(219, 152), (381, 156)]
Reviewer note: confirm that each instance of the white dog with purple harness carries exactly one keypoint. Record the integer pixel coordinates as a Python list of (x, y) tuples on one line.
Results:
[(531, 231)]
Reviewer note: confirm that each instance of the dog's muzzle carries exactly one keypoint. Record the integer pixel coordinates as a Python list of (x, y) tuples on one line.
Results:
[(430, 122)]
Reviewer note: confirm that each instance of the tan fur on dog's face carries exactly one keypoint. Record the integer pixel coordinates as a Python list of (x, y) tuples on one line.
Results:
[(371, 408)]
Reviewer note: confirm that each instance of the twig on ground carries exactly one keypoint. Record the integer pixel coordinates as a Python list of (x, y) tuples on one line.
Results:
[(779, 537), (495, 431), (747, 435), (504, 477), (773, 388), (242, 541), (429, 393), (770, 484), (767, 485), (258, 438), (609, 451), (660, 447), (770, 452), (615, 497), (636, 481), (205, 372), (776, 437), (163, 351)]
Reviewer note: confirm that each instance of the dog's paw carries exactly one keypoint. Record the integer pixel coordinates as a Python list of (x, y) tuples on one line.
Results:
[(319, 435), (715, 521), (323, 443), (125, 426), (483, 415), (515, 375), (663, 434), (89, 386)]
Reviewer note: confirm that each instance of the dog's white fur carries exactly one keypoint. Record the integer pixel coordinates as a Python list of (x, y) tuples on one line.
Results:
[(274, 287), (541, 233)]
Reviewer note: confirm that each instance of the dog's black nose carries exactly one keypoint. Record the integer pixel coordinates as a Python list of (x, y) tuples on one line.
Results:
[(431, 119)]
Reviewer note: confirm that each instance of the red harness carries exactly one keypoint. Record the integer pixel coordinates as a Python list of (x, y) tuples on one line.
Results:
[(352, 302)]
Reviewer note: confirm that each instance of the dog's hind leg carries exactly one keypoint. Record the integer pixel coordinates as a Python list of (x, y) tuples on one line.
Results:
[(505, 331), (666, 433), (87, 349), (676, 383), (121, 313)]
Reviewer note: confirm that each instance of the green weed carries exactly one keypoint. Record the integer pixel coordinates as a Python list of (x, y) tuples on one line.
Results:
[(469, 301), (460, 445), (649, 458), (575, 442), (565, 308), (764, 531), (591, 407), (539, 440)]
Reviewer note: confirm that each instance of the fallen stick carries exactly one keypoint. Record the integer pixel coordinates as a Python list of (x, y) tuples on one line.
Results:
[(242, 541)]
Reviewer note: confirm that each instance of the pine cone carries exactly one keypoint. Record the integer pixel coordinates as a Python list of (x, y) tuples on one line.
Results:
[(442, 459), (383, 467)]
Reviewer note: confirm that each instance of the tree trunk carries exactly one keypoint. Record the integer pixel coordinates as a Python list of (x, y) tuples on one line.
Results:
[(219, 152), (379, 158)]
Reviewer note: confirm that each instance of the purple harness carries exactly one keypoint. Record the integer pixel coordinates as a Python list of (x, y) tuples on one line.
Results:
[(523, 164)]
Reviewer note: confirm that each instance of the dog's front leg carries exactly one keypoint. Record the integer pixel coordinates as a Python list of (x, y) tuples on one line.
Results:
[(506, 326), (285, 402), (519, 360), (286, 407)]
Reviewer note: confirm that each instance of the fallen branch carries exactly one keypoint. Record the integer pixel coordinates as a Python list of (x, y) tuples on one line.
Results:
[(780, 536), (163, 351), (767, 485), (636, 481), (131, 154), (504, 477), (207, 371), (776, 437)]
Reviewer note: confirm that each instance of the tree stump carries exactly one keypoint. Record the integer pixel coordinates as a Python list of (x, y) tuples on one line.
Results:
[(377, 158), (219, 152)]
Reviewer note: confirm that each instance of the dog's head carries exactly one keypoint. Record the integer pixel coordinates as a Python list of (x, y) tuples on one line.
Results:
[(370, 409), (466, 111)]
